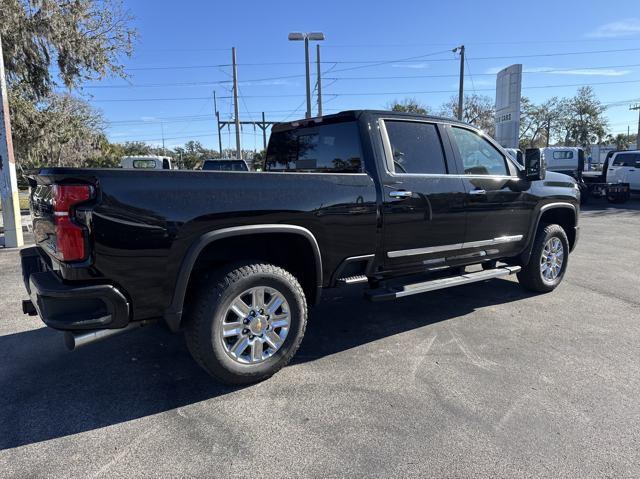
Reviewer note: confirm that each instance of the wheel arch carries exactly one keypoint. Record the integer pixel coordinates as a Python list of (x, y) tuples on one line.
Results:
[(173, 314), (562, 213)]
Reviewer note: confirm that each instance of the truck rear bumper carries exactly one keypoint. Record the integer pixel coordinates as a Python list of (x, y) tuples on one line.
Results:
[(71, 307)]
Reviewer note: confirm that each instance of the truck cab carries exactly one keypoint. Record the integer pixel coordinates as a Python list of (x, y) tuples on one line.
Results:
[(624, 167)]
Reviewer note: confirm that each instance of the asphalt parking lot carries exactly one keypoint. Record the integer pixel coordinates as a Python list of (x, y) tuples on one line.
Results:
[(485, 380)]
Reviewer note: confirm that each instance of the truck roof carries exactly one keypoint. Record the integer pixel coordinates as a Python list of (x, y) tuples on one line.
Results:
[(354, 115)]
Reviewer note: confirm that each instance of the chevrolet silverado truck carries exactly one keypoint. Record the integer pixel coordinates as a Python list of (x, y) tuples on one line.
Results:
[(403, 203)]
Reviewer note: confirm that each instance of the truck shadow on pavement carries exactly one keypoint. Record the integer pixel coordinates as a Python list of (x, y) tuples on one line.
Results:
[(47, 392), (601, 207)]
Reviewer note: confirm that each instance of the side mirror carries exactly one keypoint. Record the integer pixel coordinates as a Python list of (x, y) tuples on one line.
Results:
[(534, 165)]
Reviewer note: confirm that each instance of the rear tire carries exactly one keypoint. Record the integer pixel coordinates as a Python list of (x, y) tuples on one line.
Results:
[(548, 261), (233, 334)]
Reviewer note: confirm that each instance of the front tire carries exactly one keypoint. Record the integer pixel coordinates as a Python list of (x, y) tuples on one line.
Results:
[(548, 261), (246, 323)]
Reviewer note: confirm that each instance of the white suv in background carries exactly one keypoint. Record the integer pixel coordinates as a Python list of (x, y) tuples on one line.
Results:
[(624, 167)]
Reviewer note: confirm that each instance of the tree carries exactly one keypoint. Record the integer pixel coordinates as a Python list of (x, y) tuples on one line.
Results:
[(584, 122), (537, 122), (59, 130), (477, 110), (621, 140), (85, 38), (409, 105)]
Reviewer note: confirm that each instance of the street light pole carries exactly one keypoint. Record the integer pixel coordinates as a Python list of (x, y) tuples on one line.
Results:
[(235, 103), (306, 37), (307, 74), (319, 75)]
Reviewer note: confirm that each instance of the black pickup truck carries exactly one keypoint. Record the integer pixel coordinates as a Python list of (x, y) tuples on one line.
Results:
[(403, 203)]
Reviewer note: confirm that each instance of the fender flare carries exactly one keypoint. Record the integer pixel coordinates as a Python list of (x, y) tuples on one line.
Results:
[(173, 313), (526, 254)]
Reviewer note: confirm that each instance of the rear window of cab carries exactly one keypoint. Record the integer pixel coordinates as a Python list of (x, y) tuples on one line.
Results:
[(329, 148)]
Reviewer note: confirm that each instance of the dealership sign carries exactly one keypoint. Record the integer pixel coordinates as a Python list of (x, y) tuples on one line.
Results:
[(508, 91)]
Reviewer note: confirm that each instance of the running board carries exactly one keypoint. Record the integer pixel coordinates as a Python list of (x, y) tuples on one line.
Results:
[(353, 279), (395, 292)]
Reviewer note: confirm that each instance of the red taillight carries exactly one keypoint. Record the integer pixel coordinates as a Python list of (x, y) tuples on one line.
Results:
[(70, 237)]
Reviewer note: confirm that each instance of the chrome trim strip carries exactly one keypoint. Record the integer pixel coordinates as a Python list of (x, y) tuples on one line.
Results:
[(431, 249), (455, 247), (494, 241)]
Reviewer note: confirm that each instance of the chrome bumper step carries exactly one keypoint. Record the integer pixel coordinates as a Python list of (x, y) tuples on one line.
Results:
[(395, 292)]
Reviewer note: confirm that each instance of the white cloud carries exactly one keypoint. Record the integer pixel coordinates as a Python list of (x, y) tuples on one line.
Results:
[(604, 72), (148, 118), (417, 66), (622, 28)]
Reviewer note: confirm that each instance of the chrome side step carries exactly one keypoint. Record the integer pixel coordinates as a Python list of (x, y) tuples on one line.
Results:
[(395, 292), (353, 279)]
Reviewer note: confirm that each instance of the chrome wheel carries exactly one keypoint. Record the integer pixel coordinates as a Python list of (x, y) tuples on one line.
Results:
[(551, 260), (255, 325)]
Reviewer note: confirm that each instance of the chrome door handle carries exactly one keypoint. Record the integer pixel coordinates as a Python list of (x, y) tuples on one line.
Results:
[(400, 194), (478, 192)]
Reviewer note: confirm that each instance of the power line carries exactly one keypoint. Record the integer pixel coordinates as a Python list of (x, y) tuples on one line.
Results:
[(455, 75), (384, 62), (390, 77), (357, 93)]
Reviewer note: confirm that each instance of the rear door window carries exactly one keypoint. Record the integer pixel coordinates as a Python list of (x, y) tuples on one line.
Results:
[(416, 148)]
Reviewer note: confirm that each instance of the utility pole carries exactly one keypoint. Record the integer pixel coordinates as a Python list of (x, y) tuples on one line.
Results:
[(319, 74), (263, 127), (215, 110), (461, 88), (637, 107), (235, 103), (8, 182), (162, 129)]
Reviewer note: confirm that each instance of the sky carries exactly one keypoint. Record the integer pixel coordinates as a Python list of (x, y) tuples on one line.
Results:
[(374, 53)]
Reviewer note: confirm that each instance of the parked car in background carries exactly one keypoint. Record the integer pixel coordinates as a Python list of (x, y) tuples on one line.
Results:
[(146, 162), (400, 202), (223, 164)]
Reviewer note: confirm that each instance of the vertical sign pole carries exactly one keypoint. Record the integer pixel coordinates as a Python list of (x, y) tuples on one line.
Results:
[(8, 181)]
